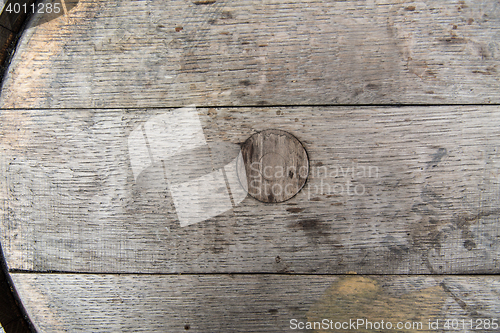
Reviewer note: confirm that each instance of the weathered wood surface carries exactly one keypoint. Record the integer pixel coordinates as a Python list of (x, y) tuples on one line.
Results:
[(390, 190), (87, 190), (276, 166), (251, 303), (173, 53)]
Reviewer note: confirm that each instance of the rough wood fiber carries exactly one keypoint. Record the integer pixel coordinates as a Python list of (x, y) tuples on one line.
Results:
[(173, 53), (390, 190), (276, 166), (249, 303), (428, 175)]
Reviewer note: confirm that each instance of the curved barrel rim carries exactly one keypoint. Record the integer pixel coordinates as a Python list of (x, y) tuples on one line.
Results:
[(12, 27)]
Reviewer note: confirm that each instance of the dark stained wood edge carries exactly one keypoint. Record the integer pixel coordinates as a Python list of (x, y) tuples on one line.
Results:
[(11, 28), (13, 316)]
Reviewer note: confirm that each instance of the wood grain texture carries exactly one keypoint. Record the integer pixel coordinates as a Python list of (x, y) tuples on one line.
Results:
[(391, 190), (276, 166), (173, 53), (248, 303)]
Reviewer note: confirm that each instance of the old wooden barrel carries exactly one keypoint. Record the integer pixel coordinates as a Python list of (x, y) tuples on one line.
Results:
[(253, 166)]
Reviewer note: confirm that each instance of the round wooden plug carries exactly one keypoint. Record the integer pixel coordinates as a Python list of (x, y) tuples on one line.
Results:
[(276, 166)]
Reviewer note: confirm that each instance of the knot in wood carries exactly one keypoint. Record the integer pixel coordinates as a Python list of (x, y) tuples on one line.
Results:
[(276, 165)]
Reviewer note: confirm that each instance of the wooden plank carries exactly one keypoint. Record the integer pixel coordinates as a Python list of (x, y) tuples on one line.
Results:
[(390, 190), (251, 303), (274, 159), (173, 53)]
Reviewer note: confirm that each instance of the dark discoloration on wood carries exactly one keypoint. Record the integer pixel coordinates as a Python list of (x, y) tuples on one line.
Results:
[(204, 2), (276, 166), (436, 158), (295, 210)]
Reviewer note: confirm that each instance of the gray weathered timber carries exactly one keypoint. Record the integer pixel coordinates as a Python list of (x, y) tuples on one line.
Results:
[(110, 53), (276, 166), (390, 190), (250, 303)]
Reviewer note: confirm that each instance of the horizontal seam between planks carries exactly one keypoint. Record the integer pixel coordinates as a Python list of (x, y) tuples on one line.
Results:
[(19, 271), (253, 106)]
